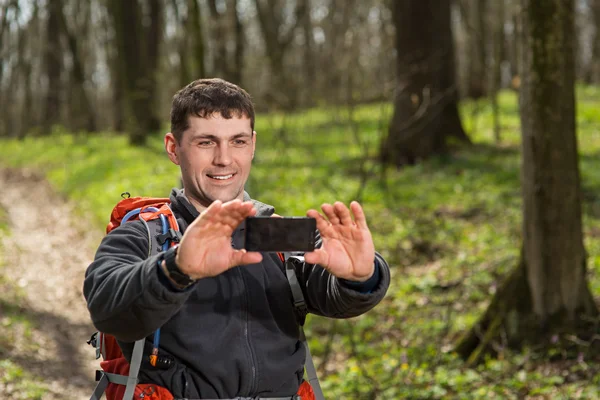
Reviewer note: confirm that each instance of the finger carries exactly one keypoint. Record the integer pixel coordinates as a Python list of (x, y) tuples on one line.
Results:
[(330, 213), (236, 207), (319, 256), (243, 257), (343, 213), (233, 214), (208, 215), (322, 223), (213, 209), (359, 215)]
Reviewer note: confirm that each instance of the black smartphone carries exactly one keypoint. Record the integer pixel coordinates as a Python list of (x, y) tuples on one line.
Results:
[(272, 234)]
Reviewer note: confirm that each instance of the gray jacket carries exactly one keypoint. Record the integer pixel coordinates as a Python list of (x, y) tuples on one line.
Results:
[(235, 334)]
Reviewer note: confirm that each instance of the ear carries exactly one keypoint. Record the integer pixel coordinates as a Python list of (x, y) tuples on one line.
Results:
[(253, 143), (171, 148)]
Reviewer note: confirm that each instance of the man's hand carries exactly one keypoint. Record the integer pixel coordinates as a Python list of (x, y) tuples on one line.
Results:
[(348, 251), (205, 249)]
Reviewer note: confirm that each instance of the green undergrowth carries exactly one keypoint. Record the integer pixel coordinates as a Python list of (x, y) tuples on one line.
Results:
[(449, 227), (15, 331)]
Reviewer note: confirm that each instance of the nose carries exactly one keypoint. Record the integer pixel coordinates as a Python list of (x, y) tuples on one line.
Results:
[(222, 155)]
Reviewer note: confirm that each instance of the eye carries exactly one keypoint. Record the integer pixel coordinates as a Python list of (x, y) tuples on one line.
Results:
[(240, 142), (205, 143)]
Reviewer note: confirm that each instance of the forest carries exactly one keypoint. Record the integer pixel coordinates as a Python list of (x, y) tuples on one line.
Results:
[(469, 130)]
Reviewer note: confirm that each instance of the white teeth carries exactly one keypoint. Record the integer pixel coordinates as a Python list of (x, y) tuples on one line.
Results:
[(221, 177)]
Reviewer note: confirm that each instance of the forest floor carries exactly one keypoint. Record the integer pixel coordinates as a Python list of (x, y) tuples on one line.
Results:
[(44, 251)]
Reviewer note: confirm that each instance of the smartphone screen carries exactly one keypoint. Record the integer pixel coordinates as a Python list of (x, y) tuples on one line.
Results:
[(272, 234)]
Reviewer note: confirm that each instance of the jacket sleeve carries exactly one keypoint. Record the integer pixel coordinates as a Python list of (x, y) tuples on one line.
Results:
[(124, 293), (327, 296)]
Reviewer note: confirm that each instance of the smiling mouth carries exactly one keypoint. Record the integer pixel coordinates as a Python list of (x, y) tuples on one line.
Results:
[(221, 177)]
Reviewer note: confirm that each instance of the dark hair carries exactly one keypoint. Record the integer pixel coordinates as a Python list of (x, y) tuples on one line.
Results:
[(204, 97)]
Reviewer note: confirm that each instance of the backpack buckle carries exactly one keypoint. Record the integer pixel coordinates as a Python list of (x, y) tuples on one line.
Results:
[(172, 235), (93, 340), (301, 309)]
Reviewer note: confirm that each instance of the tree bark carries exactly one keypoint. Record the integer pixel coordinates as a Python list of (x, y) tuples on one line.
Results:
[(270, 18), (81, 113), (153, 35), (309, 58), (3, 29), (138, 55), (220, 65), (548, 292), (199, 70), (53, 66), (184, 25), (238, 52), (28, 119), (593, 75), (474, 17), (425, 104), (497, 51)]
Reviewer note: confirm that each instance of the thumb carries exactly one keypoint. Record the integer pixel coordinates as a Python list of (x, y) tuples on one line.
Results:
[(319, 256)]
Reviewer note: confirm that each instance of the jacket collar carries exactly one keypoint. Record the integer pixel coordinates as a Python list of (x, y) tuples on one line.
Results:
[(182, 205)]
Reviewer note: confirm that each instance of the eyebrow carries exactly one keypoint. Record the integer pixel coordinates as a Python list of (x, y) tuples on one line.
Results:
[(216, 138)]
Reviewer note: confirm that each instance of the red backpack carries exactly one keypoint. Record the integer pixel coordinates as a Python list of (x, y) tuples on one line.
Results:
[(118, 378)]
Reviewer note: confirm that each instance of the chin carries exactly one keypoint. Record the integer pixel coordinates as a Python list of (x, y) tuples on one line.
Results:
[(225, 196)]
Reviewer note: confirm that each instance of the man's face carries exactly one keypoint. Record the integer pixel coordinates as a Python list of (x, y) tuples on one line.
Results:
[(215, 155)]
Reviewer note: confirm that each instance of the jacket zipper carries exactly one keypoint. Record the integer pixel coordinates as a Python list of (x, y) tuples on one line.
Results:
[(248, 343)]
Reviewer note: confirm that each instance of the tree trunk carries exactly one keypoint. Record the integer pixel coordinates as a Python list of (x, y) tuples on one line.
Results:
[(184, 22), (220, 65), (138, 48), (497, 47), (199, 70), (238, 52), (53, 66), (81, 113), (548, 292), (153, 41), (131, 68), (28, 118), (425, 104), (118, 93), (474, 15), (270, 18), (309, 67), (593, 75), (3, 28)]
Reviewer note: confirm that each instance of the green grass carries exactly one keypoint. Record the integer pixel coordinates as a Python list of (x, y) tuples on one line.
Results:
[(22, 384), (450, 228)]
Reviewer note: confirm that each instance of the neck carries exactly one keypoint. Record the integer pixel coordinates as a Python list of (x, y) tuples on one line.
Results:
[(199, 206)]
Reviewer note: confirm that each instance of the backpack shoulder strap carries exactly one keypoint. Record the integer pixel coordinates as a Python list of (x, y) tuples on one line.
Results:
[(290, 272), (163, 229), (302, 310)]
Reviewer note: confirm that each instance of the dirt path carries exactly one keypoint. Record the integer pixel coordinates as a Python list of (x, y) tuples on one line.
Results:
[(46, 256)]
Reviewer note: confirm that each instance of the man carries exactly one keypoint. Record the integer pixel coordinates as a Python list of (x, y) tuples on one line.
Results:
[(226, 316)]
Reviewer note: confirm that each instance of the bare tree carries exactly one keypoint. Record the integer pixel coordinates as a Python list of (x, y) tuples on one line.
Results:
[(81, 111), (496, 21), (277, 40), (425, 104), (138, 46), (199, 64), (593, 73), (474, 18), (227, 36), (548, 291), (53, 60)]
